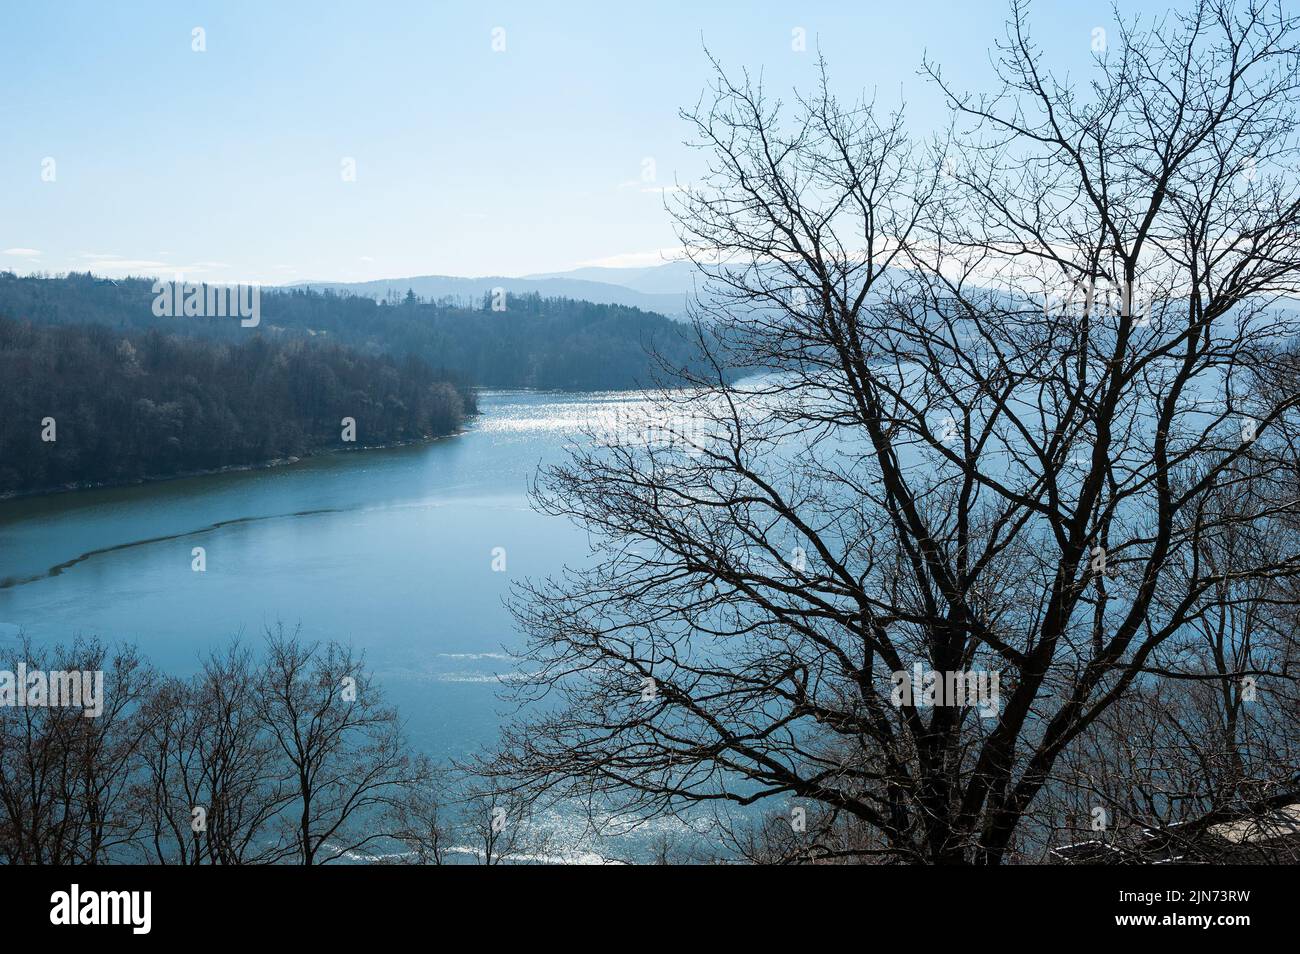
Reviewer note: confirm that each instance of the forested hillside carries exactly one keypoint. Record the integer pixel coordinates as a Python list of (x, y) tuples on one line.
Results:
[(552, 343), (128, 404)]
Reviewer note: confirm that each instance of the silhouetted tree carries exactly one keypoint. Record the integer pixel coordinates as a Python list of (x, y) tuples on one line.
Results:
[(972, 458)]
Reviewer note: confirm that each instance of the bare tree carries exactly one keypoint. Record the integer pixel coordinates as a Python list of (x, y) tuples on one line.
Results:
[(213, 783), (501, 829), (65, 775), (1215, 743), (1015, 402), (347, 762), (291, 758), (420, 824)]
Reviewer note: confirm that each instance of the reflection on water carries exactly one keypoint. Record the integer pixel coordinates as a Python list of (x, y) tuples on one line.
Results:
[(389, 549)]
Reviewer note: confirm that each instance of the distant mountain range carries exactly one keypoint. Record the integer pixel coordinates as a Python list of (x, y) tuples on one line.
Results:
[(671, 278), (662, 288)]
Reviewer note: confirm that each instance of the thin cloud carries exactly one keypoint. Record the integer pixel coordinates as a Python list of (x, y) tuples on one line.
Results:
[(657, 256), (148, 266)]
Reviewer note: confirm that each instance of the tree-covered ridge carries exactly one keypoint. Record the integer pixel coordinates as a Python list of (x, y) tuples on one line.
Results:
[(128, 405), (551, 343)]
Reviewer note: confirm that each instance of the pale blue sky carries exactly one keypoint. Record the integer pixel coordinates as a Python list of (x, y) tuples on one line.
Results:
[(225, 165)]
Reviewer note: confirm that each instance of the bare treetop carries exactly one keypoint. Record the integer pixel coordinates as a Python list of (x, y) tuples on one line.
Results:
[(1026, 421)]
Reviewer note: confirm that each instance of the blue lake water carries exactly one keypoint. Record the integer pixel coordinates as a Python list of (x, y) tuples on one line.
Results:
[(390, 550)]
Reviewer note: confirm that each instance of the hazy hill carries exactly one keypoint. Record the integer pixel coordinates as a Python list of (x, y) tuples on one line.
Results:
[(670, 278), (466, 291)]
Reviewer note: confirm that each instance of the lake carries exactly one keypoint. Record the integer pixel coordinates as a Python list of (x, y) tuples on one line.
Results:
[(390, 550)]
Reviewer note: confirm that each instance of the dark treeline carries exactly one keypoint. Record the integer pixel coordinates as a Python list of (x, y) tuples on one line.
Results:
[(551, 343), (128, 404), (534, 342)]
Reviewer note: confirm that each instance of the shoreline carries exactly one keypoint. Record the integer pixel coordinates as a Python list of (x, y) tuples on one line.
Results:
[(274, 463)]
